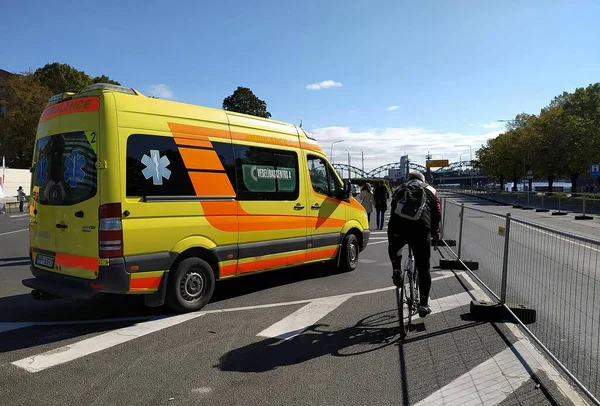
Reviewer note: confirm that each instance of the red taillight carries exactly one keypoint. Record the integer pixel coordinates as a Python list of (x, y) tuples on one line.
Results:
[(110, 232)]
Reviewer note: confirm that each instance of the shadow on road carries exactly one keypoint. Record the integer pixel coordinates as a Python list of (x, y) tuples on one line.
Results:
[(369, 334), (14, 261)]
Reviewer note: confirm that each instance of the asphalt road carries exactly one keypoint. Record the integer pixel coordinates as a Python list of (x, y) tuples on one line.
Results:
[(299, 336), (556, 275)]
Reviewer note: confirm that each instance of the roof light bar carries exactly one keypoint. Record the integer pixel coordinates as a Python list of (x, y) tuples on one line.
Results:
[(106, 86)]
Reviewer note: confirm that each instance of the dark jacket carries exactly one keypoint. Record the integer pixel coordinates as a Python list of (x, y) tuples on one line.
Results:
[(430, 218), (381, 196)]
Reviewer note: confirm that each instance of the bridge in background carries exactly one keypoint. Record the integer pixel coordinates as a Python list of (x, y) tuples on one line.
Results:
[(455, 173)]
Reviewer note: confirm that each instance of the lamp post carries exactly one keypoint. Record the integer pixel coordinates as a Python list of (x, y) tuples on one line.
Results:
[(331, 150), (349, 165), (362, 157), (470, 160)]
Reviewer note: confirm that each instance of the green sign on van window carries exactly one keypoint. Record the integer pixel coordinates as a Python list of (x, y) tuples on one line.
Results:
[(261, 178)]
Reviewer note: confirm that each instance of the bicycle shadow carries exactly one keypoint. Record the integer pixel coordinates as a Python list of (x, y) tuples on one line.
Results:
[(369, 334)]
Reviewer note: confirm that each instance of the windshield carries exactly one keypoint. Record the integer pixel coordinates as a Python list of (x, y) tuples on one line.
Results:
[(65, 168)]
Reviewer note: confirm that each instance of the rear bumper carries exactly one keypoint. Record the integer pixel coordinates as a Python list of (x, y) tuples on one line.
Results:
[(365, 240), (111, 279)]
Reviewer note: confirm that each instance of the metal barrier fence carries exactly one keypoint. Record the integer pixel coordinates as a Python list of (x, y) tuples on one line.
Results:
[(577, 203), (554, 272)]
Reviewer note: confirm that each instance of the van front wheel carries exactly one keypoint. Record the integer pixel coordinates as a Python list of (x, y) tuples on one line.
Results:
[(191, 286), (349, 253)]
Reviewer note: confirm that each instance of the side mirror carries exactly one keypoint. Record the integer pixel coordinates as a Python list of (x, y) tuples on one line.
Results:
[(347, 189)]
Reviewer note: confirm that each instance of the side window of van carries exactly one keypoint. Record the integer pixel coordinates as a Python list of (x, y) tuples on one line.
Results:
[(322, 177), (266, 173)]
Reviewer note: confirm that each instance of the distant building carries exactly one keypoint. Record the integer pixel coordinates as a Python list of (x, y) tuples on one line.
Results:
[(3, 75)]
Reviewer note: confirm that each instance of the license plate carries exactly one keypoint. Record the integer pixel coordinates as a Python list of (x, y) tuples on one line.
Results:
[(44, 260)]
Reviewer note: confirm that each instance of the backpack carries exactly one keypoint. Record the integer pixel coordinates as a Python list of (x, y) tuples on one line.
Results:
[(410, 200)]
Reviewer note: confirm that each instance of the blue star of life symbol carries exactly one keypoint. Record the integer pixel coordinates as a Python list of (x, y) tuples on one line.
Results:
[(156, 167), (42, 169), (74, 173)]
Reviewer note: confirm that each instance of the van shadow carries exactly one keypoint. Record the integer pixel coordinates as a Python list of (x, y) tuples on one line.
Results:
[(372, 333)]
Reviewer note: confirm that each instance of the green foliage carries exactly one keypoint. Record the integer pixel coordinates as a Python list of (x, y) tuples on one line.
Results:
[(244, 101), (60, 78), (563, 140), (25, 100)]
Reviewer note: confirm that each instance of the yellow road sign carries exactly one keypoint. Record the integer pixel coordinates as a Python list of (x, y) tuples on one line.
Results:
[(439, 163)]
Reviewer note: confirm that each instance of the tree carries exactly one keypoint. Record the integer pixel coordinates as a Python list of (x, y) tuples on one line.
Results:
[(25, 100), (549, 146), (244, 101), (60, 78)]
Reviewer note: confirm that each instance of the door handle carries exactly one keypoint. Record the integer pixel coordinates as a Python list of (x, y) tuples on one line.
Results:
[(79, 214), (61, 226), (298, 206), (315, 206)]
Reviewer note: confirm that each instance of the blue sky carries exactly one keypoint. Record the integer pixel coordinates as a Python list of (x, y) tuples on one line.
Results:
[(451, 68)]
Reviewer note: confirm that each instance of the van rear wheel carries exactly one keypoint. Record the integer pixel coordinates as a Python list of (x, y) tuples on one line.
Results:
[(191, 285), (349, 253)]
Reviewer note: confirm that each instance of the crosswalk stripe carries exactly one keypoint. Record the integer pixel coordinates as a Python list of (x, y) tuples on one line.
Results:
[(308, 315)]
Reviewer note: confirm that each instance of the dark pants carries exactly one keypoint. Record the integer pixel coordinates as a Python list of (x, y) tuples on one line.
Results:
[(21, 206), (369, 218), (380, 219), (420, 241)]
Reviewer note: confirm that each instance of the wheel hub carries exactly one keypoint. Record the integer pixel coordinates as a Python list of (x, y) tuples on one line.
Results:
[(192, 285)]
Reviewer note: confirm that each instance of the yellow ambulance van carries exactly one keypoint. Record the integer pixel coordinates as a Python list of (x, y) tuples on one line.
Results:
[(138, 195)]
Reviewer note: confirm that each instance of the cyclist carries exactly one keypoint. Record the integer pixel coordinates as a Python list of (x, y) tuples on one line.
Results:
[(415, 219)]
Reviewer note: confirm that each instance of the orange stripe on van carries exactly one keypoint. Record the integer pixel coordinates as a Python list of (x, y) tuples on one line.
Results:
[(263, 264), (201, 159), (220, 208), (285, 141), (195, 130), (228, 270), (189, 142), (76, 261), (211, 184), (78, 105), (324, 253), (151, 282)]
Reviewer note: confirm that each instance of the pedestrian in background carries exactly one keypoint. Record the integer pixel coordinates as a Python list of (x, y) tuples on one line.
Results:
[(381, 198), (21, 197), (367, 199)]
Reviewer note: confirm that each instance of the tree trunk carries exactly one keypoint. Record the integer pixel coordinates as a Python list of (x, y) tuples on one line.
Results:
[(574, 177), (502, 184), (515, 181), (530, 185), (550, 183)]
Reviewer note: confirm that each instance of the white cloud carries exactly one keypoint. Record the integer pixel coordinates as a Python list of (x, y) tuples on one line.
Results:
[(161, 91), (392, 108), (385, 145), (326, 84), (492, 125)]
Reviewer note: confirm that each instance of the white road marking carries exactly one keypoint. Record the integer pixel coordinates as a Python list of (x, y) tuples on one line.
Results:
[(101, 342), (378, 242), (489, 383), (378, 238), (295, 323), (534, 357), (19, 215), (13, 232)]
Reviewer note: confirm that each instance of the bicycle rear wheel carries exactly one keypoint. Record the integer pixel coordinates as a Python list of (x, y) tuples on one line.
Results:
[(404, 300)]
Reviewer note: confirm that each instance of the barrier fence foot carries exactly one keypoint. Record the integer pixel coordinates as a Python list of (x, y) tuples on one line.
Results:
[(493, 311), (449, 243), (527, 208), (583, 217), (455, 264), (542, 210), (559, 213), (517, 206)]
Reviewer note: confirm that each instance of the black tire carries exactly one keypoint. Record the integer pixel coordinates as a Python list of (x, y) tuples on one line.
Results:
[(191, 285), (349, 254), (404, 307)]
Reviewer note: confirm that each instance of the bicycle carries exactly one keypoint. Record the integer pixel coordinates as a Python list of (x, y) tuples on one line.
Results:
[(406, 281)]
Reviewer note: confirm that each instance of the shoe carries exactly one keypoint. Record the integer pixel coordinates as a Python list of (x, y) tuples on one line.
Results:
[(424, 311)]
